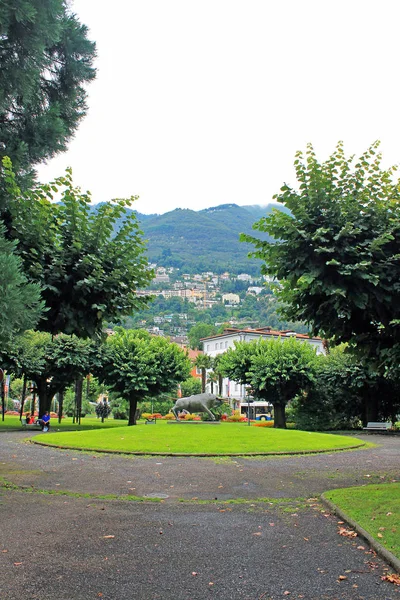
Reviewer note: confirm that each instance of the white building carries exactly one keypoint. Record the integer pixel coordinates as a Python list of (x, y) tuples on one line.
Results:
[(219, 343), (231, 298)]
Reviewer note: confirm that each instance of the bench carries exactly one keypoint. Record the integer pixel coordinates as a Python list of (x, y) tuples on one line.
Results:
[(372, 426), (151, 421), (31, 425)]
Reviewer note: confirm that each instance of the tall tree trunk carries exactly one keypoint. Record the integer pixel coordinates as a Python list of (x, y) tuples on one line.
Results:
[(220, 381), (23, 396), (370, 412), (3, 398), (60, 405), (132, 410), (44, 396), (78, 398), (279, 415), (203, 380)]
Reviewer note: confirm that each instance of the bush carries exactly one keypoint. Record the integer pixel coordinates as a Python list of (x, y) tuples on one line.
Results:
[(169, 417), (236, 417), (263, 423), (190, 417)]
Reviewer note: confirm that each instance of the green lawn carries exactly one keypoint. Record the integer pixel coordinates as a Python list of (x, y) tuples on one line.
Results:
[(200, 438), (13, 422), (376, 508)]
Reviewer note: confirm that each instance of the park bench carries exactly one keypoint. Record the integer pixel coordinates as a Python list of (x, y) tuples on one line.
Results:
[(151, 421), (373, 426), (31, 426)]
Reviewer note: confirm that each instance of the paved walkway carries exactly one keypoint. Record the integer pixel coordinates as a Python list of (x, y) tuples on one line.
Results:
[(192, 545)]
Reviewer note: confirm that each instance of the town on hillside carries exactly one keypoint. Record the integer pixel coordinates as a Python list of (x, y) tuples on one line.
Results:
[(182, 300)]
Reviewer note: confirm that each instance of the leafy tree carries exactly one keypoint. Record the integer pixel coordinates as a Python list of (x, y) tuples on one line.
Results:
[(52, 363), (88, 272), (343, 392), (191, 386), (137, 365), (336, 254), (198, 331), (46, 61), (203, 362), (20, 303), (275, 370)]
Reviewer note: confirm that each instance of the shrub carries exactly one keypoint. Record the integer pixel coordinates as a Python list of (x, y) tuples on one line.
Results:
[(236, 417), (190, 417), (169, 417), (263, 423), (146, 416)]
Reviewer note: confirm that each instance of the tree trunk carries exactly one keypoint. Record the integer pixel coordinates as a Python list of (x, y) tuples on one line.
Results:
[(23, 396), (132, 411), (220, 382), (370, 412), (60, 405), (78, 398), (203, 380), (44, 396), (279, 416)]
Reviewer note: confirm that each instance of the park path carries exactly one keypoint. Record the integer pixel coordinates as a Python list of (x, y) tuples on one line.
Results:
[(192, 545)]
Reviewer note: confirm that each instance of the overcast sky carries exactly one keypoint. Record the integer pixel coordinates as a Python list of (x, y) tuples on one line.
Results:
[(200, 103)]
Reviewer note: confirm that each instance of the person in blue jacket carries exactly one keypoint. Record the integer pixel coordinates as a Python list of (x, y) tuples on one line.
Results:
[(45, 421)]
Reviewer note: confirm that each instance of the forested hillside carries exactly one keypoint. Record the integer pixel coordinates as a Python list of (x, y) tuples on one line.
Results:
[(205, 240)]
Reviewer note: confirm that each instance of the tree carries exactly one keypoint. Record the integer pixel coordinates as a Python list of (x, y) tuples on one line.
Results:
[(88, 268), (46, 61), (343, 393), (198, 331), (203, 362), (20, 303), (336, 254), (137, 365), (191, 386), (275, 370), (52, 363)]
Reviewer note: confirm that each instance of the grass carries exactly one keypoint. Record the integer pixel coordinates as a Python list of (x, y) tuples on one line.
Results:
[(226, 438), (376, 508), (87, 423)]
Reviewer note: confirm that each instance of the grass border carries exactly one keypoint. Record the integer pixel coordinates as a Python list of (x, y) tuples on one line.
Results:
[(199, 454), (383, 552)]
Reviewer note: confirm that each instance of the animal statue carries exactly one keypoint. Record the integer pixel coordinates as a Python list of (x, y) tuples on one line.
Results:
[(197, 403)]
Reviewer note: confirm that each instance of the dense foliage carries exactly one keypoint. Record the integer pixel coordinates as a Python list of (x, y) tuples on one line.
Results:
[(337, 253), (45, 63), (137, 366), (274, 370), (20, 303), (87, 273)]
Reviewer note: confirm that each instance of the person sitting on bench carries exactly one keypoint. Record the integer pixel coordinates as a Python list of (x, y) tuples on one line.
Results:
[(45, 421), (30, 419)]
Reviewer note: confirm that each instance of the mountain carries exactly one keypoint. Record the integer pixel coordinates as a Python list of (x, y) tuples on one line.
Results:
[(205, 240)]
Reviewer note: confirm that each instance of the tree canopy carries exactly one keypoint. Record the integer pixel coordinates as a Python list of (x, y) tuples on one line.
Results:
[(137, 365), (89, 272), (274, 370), (20, 302), (337, 253), (46, 59), (52, 363)]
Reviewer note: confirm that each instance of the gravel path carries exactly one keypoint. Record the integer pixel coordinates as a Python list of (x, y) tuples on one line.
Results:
[(192, 545)]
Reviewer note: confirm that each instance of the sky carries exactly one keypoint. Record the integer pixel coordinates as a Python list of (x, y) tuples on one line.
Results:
[(205, 102)]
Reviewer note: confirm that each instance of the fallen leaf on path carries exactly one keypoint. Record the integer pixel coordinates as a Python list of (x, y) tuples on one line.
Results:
[(17, 564), (360, 547), (108, 537), (257, 533), (194, 573), (342, 577), (393, 578), (347, 532)]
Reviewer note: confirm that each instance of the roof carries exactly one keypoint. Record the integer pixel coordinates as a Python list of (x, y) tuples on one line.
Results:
[(261, 331)]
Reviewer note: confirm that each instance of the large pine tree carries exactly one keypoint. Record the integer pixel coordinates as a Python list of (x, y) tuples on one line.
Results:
[(45, 61)]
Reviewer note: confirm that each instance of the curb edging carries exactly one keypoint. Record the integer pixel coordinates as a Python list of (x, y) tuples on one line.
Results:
[(383, 552)]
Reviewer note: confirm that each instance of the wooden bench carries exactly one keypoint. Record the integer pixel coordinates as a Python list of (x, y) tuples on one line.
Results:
[(372, 426)]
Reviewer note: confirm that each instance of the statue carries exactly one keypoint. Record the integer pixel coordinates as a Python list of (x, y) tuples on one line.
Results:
[(197, 403)]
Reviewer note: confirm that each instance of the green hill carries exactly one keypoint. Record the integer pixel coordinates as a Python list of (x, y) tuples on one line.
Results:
[(205, 240)]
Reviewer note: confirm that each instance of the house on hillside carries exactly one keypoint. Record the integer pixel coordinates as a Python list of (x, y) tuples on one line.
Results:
[(219, 343)]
